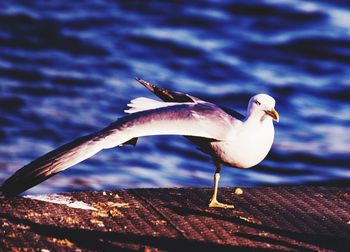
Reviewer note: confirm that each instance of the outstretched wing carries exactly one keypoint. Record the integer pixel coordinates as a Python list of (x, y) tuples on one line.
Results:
[(190, 119), (52, 163)]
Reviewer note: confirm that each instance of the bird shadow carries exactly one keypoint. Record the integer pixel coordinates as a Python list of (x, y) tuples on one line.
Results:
[(290, 239)]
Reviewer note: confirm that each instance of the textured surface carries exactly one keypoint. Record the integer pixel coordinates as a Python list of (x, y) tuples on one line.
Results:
[(284, 218)]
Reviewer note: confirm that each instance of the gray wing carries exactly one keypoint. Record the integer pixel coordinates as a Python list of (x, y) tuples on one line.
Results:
[(203, 120), (171, 96), (233, 113)]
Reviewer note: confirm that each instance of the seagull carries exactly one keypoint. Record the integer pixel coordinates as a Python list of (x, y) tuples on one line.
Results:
[(227, 136)]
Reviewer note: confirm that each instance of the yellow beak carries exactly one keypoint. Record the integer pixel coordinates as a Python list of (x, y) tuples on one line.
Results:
[(274, 114)]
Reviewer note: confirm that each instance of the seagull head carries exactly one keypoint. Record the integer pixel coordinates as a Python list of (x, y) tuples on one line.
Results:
[(262, 106)]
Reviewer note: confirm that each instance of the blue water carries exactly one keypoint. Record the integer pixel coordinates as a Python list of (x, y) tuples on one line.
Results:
[(67, 69)]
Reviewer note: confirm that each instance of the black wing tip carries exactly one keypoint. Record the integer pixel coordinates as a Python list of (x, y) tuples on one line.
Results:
[(146, 84), (10, 188), (164, 94), (7, 193), (15, 185), (142, 81)]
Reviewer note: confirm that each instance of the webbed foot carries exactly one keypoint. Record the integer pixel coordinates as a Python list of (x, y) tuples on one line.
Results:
[(215, 203)]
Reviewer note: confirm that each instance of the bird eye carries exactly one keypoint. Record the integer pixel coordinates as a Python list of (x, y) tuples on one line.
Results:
[(257, 103)]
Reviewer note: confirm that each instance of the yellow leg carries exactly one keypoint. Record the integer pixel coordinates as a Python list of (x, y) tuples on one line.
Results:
[(214, 202)]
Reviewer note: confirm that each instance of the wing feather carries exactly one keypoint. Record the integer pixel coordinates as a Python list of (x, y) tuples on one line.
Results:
[(51, 163), (167, 95), (190, 119)]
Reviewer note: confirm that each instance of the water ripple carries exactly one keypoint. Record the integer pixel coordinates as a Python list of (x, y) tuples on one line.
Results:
[(67, 69)]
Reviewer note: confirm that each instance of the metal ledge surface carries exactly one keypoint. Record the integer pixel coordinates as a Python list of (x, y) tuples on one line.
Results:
[(308, 218)]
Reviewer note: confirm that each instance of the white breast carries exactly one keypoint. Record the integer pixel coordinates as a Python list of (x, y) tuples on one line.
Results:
[(248, 146)]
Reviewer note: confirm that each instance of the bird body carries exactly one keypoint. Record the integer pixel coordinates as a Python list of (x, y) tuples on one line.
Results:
[(246, 147), (218, 133)]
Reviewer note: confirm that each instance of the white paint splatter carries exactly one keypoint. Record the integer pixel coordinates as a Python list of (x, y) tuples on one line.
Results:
[(61, 199)]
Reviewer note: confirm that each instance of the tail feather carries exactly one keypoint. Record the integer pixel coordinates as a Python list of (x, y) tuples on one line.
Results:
[(143, 104), (50, 164)]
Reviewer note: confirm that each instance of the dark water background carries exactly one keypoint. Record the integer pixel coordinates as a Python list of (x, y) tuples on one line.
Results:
[(67, 69)]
